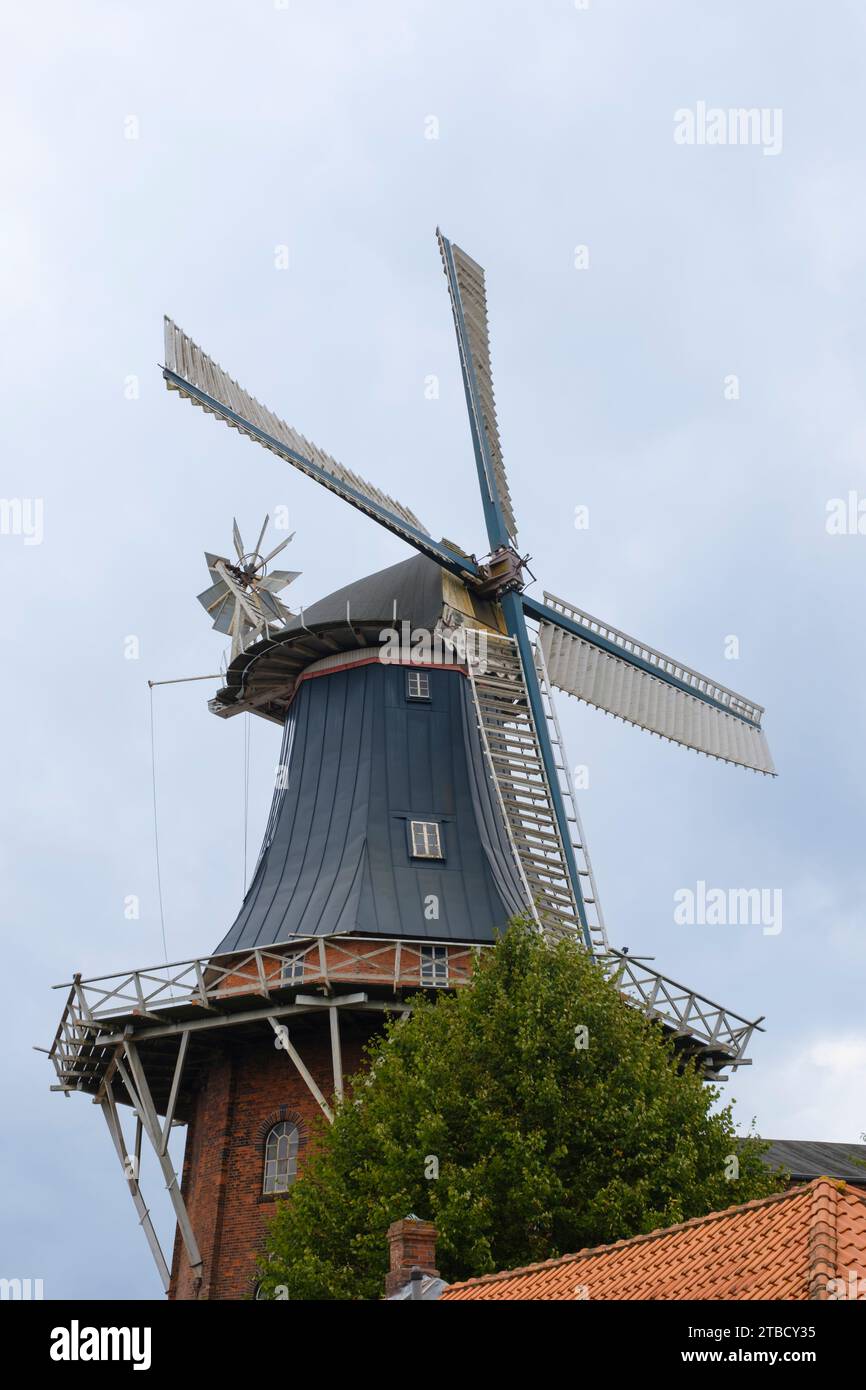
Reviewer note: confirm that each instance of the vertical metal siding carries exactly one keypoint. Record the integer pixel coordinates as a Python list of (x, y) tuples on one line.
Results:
[(336, 857)]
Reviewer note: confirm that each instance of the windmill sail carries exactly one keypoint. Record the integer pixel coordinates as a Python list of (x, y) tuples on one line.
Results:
[(196, 376), (469, 304), (626, 678)]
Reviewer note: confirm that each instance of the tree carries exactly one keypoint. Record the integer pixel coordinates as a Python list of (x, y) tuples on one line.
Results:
[(542, 1145)]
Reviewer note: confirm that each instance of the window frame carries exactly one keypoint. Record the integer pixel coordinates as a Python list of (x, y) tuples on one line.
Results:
[(423, 692), (293, 969), (291, 1132), (434, 965), (424, 853)]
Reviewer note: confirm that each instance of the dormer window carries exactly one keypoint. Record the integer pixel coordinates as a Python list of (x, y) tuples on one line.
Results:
[(426, 839), (418, 685)]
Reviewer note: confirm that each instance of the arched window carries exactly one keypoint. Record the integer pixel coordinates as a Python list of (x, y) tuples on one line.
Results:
[(281, 1157)]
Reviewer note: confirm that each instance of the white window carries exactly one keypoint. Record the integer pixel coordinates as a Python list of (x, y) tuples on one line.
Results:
[(293, 969), (426, 839), (281, 1157), (434, 965), (418, 685)]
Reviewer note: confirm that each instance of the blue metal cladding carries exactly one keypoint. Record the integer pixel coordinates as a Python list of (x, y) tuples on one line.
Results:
[(363, 760)]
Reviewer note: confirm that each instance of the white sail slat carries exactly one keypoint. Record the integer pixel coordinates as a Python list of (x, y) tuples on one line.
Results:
[(185, 360), (630, 692)]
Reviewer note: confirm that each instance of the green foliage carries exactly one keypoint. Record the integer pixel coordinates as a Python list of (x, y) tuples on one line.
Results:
[(543, 1148)]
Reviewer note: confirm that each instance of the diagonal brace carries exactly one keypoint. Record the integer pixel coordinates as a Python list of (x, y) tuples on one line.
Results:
[(283, 1042), (142, 1100), (131, 1172)]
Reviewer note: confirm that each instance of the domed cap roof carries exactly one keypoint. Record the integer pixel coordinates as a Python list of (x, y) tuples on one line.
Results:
[(417, 591)]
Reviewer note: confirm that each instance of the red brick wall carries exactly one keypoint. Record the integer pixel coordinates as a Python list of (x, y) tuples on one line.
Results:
[(247, 1087)]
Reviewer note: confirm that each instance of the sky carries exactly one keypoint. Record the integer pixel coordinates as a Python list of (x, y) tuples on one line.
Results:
[(677, 347)]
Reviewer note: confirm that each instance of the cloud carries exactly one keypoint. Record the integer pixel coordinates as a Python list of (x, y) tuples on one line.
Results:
[(814, 1094)]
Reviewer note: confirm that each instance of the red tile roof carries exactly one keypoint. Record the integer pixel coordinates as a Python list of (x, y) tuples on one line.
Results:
[(787, 1246)]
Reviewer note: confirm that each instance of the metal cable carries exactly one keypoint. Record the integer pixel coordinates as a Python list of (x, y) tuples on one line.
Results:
[(246, 792)]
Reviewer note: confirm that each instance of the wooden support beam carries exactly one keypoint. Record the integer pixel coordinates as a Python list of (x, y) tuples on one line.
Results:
[(175, 1087), (147, 1113), (112, 1119), (332, 1001), (284, 1042), (336, 1053), (171, 1030), (105, 1083)]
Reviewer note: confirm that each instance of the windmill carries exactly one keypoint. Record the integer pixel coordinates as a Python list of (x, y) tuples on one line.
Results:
[(242, 600), (422, 800), (565, 647)]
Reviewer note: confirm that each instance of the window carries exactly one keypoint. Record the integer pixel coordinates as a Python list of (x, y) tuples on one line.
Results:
[(418, 685), (426, 839), (281, 1157), (434, 965), (293, 969)]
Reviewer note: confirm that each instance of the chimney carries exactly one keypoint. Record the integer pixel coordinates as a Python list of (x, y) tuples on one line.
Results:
[(412, 1250)]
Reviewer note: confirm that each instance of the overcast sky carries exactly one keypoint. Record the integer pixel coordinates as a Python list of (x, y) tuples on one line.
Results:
[(306, 126)]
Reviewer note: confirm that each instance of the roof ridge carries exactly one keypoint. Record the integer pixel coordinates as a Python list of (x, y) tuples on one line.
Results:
[(841, 1186), (823, 1143), (594, 1250), (822, 1248)]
